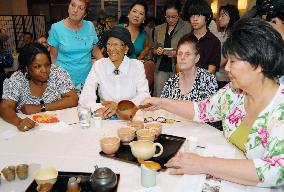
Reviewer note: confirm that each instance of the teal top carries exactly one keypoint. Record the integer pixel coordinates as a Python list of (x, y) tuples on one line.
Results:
[(138, 43), (74, 49)]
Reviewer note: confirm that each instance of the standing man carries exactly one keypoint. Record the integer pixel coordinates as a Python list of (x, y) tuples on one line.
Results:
[(200, 16)]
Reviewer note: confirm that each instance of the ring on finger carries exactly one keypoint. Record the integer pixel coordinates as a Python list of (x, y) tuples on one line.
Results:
[(26, 127)]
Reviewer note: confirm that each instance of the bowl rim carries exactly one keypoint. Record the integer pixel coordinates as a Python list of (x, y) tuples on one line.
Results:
[(43, 169)]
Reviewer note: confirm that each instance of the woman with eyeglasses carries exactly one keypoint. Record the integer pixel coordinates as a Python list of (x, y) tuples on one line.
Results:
[(117, 77), (166, 37), (38, 86), (72, 41)]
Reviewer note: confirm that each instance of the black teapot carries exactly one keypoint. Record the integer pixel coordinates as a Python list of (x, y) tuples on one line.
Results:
[(103, 179)]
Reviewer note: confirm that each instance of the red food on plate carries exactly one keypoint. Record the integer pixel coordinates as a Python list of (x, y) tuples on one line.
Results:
[(45, 118)]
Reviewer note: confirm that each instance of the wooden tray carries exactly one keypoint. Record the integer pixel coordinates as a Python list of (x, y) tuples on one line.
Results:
[(62, 180), (170, 143)]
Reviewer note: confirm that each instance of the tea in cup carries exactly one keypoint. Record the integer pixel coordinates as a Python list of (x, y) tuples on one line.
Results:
[(146, 134), (22, 171), (110, 145), (126, 134), (157, 127), (144, 149), (9, 173)]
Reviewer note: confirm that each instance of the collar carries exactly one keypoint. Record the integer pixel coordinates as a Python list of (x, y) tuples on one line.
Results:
[(123, 68)]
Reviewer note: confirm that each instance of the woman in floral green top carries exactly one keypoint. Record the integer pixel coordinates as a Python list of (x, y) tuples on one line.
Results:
[(251, 108)]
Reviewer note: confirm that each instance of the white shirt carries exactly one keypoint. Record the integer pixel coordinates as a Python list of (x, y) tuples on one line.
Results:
[(129, 84)]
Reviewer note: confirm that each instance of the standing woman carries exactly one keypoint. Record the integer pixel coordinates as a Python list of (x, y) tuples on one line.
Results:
[(136, 16), (228, 15), (167, 35), (72, 40)]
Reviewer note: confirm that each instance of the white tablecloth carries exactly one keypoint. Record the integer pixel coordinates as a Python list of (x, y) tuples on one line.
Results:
[(75, 149)]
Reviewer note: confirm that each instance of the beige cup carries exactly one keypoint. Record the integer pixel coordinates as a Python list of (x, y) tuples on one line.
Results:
[(126, 134), (146, 134), (144, 149), (157, 127), (110, 145), (9, 173), (136, 124), (22, 171)]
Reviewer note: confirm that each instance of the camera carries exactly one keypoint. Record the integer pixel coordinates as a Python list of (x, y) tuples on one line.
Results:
[(269, 9)]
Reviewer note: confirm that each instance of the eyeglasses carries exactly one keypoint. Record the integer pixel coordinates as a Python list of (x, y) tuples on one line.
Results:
[(159, 119), (171, 17), (115, 45)]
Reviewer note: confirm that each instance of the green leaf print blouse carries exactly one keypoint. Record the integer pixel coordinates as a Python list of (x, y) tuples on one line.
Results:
[(265, 144)]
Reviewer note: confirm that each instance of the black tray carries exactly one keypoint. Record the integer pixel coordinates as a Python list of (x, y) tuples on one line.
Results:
[(62, 180), (170, 143)]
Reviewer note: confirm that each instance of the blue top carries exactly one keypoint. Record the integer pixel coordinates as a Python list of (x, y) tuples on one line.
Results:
[(138, 43), (74, 48)]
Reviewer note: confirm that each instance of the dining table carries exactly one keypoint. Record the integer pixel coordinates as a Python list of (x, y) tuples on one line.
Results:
[(68, 147)]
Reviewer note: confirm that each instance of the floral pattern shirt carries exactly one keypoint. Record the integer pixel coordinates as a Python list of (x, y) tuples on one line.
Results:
[(265, 145)]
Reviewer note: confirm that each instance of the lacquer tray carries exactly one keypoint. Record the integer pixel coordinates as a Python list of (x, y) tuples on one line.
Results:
[(170, 143), (62, 180)]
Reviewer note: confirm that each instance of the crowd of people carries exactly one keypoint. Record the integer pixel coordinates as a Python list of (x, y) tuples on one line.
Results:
[(231, 75)]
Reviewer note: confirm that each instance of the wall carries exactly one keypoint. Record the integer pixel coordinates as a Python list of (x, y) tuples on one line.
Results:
[(13, 7)]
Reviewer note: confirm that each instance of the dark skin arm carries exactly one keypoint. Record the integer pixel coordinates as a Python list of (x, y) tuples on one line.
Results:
[(8, 113), (145, 51), (68, 100)]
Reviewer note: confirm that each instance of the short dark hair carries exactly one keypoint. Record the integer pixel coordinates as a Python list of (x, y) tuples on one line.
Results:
[(255, 41), (232, 12), (191, 39), (28, 54), (201, 7), (28, 33), (172, 4), (142, 3)]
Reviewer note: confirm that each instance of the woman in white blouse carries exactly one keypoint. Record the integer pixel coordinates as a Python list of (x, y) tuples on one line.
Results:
[(117, 77)]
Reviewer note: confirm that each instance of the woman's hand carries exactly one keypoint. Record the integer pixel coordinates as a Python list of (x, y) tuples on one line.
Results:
[(159, 51), (154, 103), (186, 163), (108, 110), (26, 124), (30, 109)]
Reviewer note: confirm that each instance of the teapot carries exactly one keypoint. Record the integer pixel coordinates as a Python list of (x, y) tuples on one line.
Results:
[(126, 109), (103, 179), (145, 149)]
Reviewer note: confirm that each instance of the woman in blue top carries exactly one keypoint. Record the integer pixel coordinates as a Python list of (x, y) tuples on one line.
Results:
[(136, 16), (71, 42)]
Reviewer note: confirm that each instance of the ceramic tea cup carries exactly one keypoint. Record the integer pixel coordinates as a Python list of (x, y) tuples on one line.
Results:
[(9, 173), (110, 145), (157, 127), (126, 134), (144, 149), (146, 134), (136, 124), (45, 175), (22, 171)]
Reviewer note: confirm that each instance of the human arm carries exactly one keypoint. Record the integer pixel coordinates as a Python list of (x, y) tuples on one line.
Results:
[(53, 53), (146, 48), (97, 53), (240, 171), (8, 113), (215, 56), (142, 87)]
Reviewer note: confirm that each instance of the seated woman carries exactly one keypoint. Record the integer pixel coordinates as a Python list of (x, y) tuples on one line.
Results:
[(250, 107), (118, 77), (38, 86), (191, 83)]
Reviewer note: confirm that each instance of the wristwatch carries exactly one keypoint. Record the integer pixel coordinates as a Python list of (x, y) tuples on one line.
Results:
[(42, 106)]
